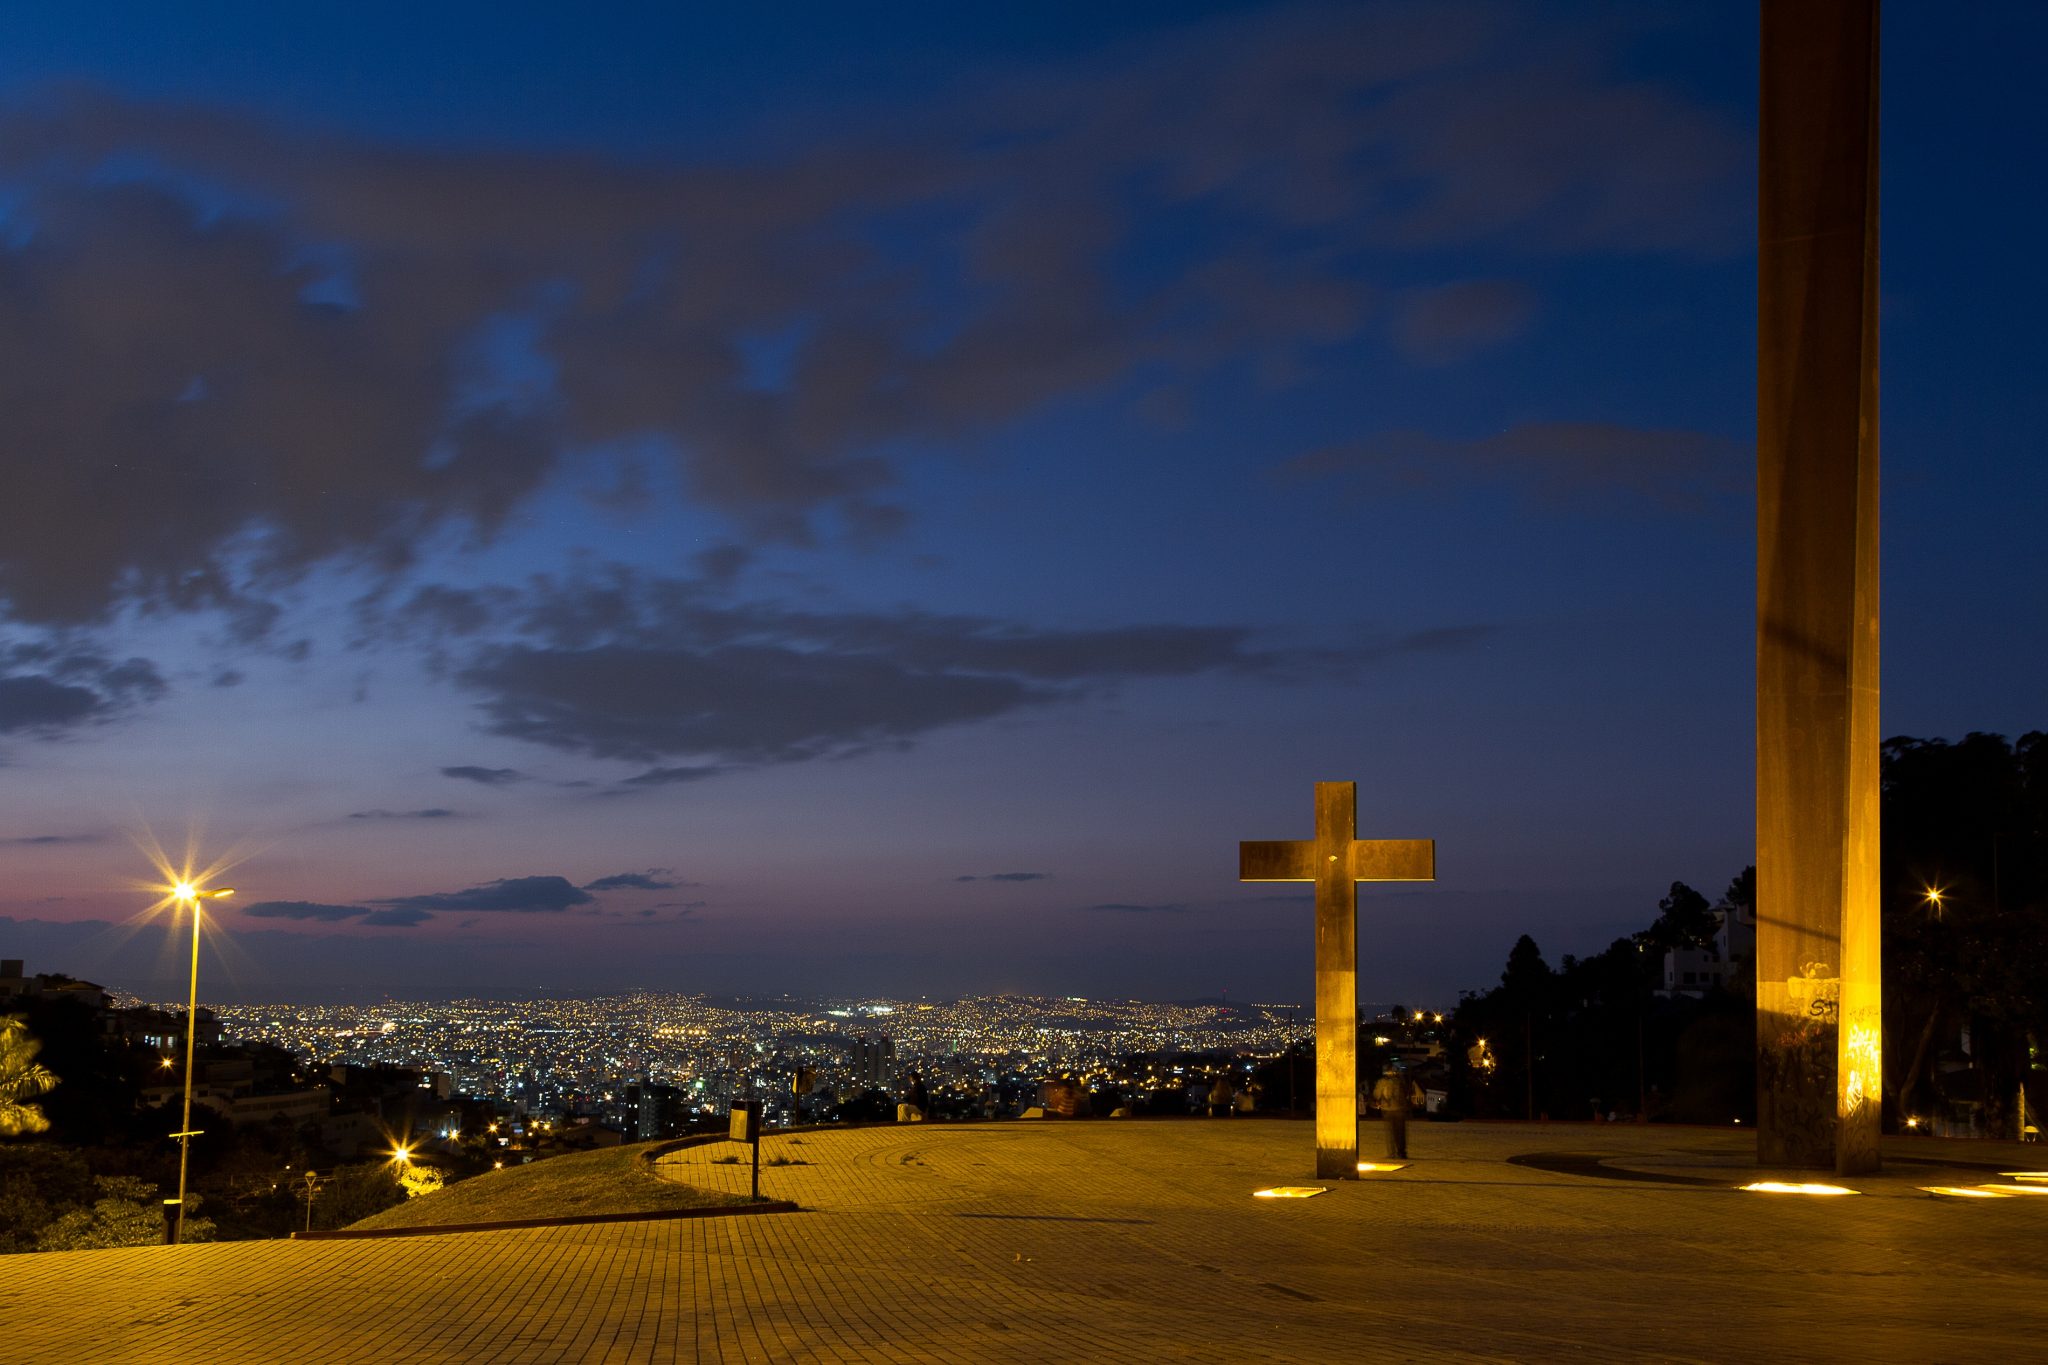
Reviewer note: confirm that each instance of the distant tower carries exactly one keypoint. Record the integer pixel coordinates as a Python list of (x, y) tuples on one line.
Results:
[(874, 1060)]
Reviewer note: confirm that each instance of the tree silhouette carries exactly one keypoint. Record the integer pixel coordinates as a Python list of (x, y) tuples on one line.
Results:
[(22, 1079), (1965, 887), (1684, 919)]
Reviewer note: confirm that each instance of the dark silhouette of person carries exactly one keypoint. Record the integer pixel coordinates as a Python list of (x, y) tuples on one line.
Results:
[(917, 1098), (1394, 1094)]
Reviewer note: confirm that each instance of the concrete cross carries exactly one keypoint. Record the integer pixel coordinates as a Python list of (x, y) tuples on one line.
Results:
[(1336, 860)]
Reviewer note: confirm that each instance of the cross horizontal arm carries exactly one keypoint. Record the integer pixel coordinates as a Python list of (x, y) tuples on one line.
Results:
[(1276, 860), (1393, 860)]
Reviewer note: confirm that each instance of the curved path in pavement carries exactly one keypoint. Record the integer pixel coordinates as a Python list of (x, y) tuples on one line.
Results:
[(1035, 1241)]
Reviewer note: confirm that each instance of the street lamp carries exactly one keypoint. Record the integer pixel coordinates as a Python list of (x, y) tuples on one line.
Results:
[(188, 895), (1933, 899)]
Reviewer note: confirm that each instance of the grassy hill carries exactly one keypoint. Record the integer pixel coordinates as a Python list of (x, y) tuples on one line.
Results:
[(614, 1181)]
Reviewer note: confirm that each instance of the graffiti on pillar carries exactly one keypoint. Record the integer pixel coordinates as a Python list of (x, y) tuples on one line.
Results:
[(1796, 1094), (1815, 992), (1796, 1067), (1862, 1053)]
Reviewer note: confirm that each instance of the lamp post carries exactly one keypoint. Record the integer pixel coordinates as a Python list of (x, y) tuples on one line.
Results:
[(188, 895)]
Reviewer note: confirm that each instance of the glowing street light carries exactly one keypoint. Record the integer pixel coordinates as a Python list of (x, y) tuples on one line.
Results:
[(1933, 899), (188, 894)]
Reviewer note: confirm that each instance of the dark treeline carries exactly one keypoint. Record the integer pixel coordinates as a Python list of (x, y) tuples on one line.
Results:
[(1966, 974), (1596, 1035), (1965, 905)]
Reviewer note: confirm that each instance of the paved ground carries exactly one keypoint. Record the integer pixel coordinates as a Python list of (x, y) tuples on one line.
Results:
[(1132, 1241)]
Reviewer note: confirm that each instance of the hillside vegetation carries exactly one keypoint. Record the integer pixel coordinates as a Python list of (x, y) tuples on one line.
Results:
[(585, 1183)]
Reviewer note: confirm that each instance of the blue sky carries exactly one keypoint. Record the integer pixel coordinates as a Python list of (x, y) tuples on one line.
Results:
[(808, 462)]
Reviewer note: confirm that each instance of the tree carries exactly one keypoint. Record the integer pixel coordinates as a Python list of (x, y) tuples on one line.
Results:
[(417, 1180), (1684, 919), (1596, 1036), (1740, 895), (22, 1079), (1968, 821), (38, 1181), (127, 1213), (355, 1192), (1527, 986)]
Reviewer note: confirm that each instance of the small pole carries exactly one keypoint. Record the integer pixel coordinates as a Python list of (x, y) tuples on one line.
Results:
[(754, 1129), (745, 1126)]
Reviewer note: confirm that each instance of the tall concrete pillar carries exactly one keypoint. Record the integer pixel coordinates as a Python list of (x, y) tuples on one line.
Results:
[(1817, 735)]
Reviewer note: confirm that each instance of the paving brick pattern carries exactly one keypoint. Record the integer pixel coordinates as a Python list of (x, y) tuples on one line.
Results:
[(1135, 1241)]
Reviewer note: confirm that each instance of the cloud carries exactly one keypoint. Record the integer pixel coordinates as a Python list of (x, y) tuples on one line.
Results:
[(396, 917), (1125, 908), (668, 777), (42, 840), (1452, 322), (489, 777), (303, 910), (257, 350), (650, 880), (1675, 467), (1007, 877), (512, 894), (516, 895), (39, 704), (616, 665), (47, 689), (432, 813)]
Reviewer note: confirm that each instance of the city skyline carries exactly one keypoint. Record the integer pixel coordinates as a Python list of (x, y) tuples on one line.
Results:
[(882, 507)]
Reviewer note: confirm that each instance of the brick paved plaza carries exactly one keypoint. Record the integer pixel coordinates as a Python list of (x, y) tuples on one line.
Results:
[(1106, 1240)]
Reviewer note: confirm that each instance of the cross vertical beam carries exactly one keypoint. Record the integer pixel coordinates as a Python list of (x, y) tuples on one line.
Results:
[(1817, 736), (1336, 983), (1336, 860)]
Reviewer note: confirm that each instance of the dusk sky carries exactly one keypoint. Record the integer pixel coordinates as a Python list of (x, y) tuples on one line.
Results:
[(880, 499)]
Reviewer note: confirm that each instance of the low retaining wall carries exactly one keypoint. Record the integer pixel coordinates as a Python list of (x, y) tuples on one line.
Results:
[(567, 1221)]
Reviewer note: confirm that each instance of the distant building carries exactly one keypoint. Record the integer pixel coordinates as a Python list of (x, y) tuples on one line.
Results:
[(231, 1087), (874, 1061), (17, 985), (656, 1111), (1696, 971), (164, 1030), (295, 1107)]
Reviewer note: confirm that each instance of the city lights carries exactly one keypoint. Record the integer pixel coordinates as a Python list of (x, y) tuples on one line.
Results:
[(537, 1058)]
